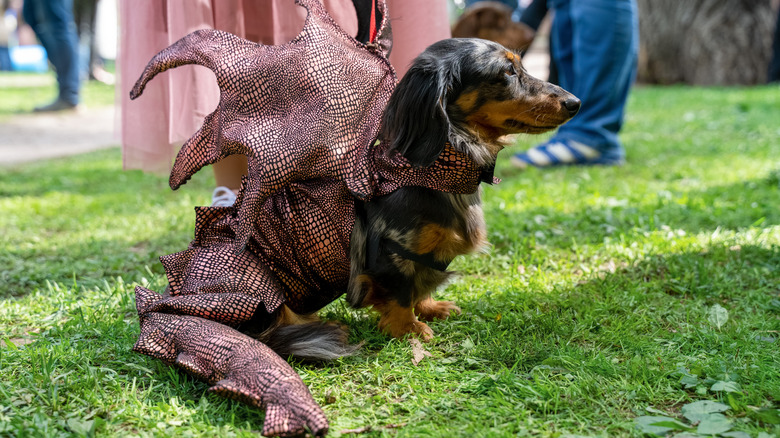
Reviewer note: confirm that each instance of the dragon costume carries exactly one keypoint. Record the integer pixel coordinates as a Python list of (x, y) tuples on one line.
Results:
[(306, 115)]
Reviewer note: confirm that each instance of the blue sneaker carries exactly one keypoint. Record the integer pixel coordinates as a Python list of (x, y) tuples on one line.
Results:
[(560, 152)]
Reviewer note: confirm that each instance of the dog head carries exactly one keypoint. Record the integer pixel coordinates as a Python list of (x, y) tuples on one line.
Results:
[(470, 93)]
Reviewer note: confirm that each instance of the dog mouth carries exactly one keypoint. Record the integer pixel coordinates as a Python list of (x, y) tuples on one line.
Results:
[(518, 126)]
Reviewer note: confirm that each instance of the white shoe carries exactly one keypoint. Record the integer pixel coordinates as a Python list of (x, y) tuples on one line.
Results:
[(222, 197), (556, 153)]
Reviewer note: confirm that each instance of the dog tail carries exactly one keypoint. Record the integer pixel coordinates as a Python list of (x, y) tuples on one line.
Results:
[(314, 341)]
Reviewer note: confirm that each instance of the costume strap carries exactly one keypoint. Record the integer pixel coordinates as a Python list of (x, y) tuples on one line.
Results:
[(423, 259), (375, 240)]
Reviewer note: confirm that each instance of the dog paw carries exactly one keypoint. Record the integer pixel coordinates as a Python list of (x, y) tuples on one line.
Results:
[(418, 329), (422, 331), (430, 309)]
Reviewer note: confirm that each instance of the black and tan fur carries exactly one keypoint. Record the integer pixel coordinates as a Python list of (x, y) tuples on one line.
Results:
[(469, 93)]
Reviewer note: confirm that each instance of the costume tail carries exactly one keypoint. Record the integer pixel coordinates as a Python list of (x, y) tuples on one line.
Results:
[(315, 341)]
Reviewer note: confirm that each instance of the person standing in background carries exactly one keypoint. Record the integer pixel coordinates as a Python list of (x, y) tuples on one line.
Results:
[(52, 22), (5, 37), (174, 106), (594, 45), (774, 65)]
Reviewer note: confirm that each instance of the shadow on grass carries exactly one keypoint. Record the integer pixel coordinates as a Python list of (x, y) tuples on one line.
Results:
[(641, 319), (174, 386), (86, 221), (86, 264)]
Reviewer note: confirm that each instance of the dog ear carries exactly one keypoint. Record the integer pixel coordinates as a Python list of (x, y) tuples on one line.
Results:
[(415, 122)]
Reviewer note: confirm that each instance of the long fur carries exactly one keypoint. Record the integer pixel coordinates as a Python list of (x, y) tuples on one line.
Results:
[(313, 341), (469, 93), (415, 121)]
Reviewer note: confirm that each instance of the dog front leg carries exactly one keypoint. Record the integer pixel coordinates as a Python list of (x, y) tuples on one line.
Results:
[(429, 309), (398, 321)]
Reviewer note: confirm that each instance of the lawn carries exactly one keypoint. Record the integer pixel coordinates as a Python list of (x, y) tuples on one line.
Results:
[(21, 92), (613, 302)]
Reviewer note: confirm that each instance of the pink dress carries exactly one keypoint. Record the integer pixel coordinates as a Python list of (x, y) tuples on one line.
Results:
[(175, 105)]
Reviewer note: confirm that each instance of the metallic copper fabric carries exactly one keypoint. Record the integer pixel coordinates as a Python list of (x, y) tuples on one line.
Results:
[(238, 366)]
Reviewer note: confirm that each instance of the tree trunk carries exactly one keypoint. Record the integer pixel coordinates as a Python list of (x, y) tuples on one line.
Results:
[(705, 42)]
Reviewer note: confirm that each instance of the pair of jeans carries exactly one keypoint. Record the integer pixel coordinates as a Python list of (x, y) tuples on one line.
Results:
[(52, 22), (774, 65), (595, 44), (513, 4)]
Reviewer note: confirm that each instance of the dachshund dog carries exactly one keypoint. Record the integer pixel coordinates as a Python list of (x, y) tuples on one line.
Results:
[(465, 95), (469, 94)]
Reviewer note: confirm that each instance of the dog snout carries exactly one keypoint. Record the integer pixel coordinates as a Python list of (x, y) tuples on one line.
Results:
[(572, 105)]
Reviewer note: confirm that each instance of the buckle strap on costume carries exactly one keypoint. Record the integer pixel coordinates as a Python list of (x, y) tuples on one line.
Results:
[(396, 248), (423, 259)]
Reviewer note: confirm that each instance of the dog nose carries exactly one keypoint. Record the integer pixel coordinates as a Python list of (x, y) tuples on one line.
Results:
[(572, 105)]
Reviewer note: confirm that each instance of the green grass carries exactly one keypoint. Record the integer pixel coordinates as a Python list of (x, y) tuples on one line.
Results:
[(601, 300), (21, 92)]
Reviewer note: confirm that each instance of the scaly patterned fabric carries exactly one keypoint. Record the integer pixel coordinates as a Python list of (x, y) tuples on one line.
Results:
[(306, 114), (238, 366), (297, 110)]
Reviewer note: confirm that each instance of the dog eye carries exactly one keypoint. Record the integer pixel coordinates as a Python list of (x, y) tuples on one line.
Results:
[(510, 71)]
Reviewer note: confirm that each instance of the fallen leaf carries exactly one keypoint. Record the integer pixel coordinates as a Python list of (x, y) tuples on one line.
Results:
[(330, 398), (726, 386), (658, 425), (418, 352), (713, 424), (467, 344), (718, 316), (697, 411)]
